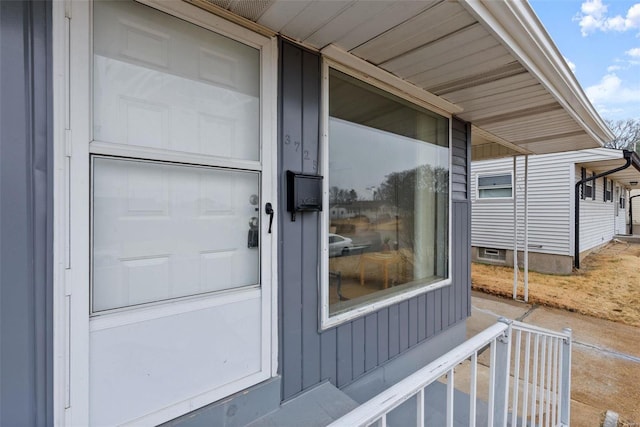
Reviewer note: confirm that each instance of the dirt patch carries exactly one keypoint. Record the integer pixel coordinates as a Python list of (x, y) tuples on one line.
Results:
[(607, 286)]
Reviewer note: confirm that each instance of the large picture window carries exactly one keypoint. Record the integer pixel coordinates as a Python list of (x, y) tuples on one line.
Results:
[(387, 233)]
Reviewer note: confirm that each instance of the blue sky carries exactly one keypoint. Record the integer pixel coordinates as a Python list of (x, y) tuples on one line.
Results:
[(600, 39)]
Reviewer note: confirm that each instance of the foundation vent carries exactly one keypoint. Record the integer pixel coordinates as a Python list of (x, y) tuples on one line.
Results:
[(492, 254)]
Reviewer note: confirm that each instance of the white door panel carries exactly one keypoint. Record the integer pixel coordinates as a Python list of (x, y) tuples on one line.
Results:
[(166, 231), (163, 83), (157, 364)]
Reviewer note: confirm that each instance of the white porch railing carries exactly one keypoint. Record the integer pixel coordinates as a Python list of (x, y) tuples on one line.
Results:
[(537, 394)]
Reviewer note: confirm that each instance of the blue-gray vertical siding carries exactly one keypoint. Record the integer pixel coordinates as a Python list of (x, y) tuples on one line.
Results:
[(26, 355), (342, 354)]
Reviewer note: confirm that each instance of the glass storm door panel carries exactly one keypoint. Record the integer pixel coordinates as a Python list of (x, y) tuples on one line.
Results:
[(163, 231), (180, 292), (164, 83)]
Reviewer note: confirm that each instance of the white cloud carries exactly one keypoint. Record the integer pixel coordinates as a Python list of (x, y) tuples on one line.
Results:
[(571, 65), (617, 23), (633, 16), (634, 53), (611, 90), (614, 99), (631, 59), (589, 24), (594, 8), (605, 111), (593, 17)]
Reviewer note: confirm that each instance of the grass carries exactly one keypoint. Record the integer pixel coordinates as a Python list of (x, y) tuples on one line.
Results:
[(607, 286)]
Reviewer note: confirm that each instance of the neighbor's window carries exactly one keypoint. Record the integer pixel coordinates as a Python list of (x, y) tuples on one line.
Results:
[(608, 190), (588, 188), (388, 180), (495, 186)]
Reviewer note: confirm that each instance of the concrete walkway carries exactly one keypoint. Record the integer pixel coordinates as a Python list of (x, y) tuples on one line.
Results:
[(606, 356), (629, 238)]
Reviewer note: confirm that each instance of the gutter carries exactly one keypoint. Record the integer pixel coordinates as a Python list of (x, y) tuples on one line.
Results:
[(632, 158)]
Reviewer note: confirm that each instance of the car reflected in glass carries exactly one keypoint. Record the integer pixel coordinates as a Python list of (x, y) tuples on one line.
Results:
[(339, 245)]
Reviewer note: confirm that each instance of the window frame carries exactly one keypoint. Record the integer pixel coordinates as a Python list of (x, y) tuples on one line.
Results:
[(591, 185), (588, 191), (607, 190), (326, 321), (493, 174)]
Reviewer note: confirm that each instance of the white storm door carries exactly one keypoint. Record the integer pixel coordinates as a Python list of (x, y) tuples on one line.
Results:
[(180, 288)]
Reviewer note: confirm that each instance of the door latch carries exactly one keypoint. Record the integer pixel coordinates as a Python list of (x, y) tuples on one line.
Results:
[(268, 209)]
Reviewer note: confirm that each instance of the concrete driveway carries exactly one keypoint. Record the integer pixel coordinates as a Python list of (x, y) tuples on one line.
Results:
[(606, 356)]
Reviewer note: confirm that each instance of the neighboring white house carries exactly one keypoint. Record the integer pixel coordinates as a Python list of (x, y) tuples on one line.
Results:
[(551, 221)]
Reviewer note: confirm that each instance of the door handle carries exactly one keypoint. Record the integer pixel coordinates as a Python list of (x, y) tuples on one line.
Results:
[(268, 209), (252, 235)]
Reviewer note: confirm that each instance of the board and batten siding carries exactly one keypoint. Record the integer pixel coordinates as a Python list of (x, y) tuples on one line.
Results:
[(552, 179), (307, 355)]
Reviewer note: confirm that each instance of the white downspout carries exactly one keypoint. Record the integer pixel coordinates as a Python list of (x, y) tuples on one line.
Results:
[(526, 228), (515, 228)]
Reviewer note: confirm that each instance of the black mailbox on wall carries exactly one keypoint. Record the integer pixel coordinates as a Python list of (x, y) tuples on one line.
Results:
[(304, 193)]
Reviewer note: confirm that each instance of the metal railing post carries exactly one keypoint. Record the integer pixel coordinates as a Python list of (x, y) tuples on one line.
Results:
[(565, 407), (501, 375)]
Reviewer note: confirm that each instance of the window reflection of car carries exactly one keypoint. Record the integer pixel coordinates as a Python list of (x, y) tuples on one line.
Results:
[(339, 245)]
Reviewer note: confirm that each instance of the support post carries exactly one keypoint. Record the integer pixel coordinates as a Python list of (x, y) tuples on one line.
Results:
[(515, 227), (526, 228), (501, 376), (565, 407)]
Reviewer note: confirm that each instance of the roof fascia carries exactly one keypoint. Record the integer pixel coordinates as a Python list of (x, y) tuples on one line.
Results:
[(626, 155), (519, 29), (606, 154)]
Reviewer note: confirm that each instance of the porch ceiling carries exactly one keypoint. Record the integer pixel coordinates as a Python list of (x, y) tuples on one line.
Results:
[(626, 176), (493, 60)]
